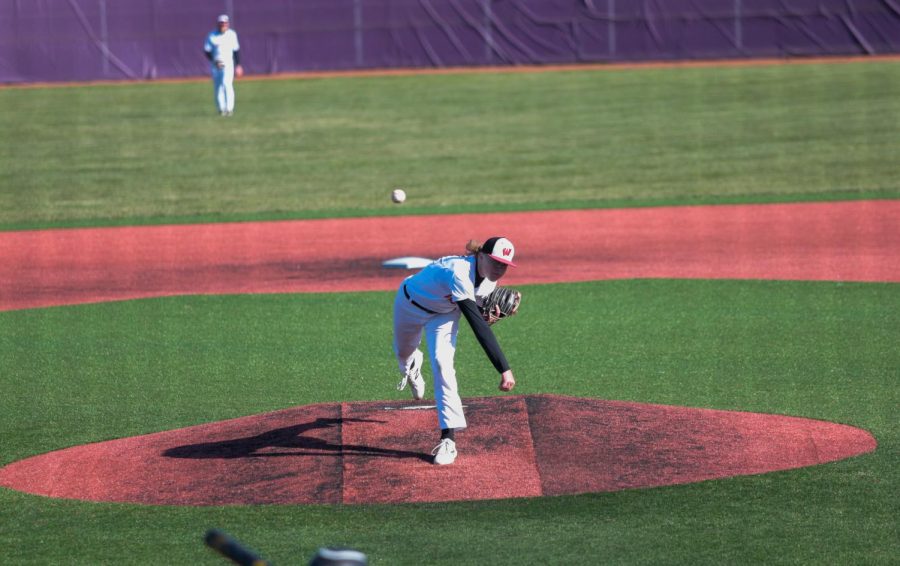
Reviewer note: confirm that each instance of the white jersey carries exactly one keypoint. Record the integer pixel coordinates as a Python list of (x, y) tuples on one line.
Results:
[(442, 284), (222, 46)]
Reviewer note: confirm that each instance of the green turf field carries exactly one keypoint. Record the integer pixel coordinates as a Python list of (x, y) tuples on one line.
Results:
[(152, 153), (156, 152), (821, 350)]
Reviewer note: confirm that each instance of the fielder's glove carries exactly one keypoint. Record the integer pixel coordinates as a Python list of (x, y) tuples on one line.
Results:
[(503, 302)]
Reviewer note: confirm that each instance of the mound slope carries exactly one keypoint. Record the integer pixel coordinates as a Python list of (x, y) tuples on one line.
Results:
[(378, 452)]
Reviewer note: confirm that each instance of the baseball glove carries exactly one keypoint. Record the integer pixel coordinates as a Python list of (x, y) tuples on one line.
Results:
[(503, 302)]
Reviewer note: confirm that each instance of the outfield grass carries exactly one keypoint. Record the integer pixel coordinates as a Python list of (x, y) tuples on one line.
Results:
[(151, 153), (87, 373)]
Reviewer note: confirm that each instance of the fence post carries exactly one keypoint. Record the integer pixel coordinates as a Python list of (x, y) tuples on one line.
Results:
[(487, 31), (104, 39), (358, 31), (611, 26)]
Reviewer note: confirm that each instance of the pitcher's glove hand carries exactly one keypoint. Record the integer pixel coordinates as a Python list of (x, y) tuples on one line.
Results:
[(503, 302)]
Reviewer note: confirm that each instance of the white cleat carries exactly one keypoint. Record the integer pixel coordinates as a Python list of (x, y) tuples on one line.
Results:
[(413, 377), (445, 452)]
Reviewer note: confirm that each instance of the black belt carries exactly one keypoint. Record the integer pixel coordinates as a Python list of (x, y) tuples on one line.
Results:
[(405, 292)]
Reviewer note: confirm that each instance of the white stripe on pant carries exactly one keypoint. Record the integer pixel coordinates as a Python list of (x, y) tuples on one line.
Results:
[(440, 330)]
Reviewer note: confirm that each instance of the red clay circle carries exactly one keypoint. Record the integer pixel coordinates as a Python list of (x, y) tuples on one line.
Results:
[(378, 452)]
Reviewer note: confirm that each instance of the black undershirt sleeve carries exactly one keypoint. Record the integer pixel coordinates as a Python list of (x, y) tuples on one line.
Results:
[(208, 54), (237, 57), (484, 334)]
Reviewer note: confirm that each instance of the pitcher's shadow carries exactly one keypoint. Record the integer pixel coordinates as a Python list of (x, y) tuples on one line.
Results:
[(289, 437)]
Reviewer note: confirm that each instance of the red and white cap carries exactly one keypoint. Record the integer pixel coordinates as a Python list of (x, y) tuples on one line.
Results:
[(500, 249)]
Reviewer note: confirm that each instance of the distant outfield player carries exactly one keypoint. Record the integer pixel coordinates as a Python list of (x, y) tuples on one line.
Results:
[(223, 51)]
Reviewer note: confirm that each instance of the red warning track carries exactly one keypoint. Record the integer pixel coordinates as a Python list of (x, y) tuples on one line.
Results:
[(378, 452), (842, 241), (762, 62)]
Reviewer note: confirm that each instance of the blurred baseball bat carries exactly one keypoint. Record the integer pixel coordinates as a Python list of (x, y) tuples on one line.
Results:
[(233, 550)]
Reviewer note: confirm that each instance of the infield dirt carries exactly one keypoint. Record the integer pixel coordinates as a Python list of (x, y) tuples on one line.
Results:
[(840, 241)]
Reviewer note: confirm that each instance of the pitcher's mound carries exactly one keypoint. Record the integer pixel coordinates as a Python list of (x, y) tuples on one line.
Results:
[(379, 452)]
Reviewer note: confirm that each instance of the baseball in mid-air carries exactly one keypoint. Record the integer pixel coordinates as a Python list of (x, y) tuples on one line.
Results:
[(398, 195)]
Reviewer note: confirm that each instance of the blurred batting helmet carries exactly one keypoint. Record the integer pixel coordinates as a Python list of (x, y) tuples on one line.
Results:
[(339, 557)]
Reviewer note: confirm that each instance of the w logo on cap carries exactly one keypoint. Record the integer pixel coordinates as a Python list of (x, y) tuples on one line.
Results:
[(500, 249)]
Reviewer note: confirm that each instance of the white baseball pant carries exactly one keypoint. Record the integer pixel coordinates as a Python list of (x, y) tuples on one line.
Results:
[(223, 87), (440, 330)]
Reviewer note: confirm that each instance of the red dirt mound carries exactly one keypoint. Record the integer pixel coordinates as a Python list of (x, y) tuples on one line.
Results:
[(379, 452)]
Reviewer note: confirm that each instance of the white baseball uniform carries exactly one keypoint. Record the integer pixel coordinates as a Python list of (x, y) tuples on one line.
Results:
[(426, 303), (222, 47)]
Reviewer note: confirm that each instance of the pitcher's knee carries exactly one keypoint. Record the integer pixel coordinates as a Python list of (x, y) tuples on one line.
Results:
[(443, 366)]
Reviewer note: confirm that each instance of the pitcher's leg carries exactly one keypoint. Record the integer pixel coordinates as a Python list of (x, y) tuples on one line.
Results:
[(409, 323), (408, 327), (441, 333)]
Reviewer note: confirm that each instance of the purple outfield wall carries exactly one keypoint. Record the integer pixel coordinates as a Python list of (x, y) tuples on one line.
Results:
[(79, 40)]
